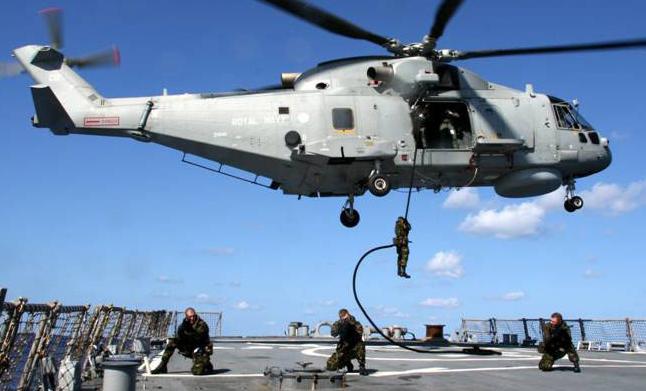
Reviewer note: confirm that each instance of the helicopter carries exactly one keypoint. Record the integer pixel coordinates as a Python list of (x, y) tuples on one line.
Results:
[(409, 119)]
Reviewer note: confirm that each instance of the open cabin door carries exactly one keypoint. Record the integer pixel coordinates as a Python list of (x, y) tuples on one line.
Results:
[(444, 133), (443, 125)]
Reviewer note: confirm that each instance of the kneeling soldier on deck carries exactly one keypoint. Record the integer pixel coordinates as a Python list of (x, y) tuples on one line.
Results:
[(192, 341), (557, 342), (350, 344)]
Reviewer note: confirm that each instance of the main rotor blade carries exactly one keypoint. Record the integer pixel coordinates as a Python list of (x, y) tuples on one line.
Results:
[(442, 17), (584, 47), (53, 19), (326, 20), (9, 69), (110, 57)]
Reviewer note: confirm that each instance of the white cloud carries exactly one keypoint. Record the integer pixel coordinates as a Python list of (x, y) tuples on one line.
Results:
[(168, 280), (446, 264), (271, 323), (590, 274), (242, 305), (450, 302), (309, 311), (388, 311), (202, 296), (616, 135), (525, 219), (615, 199), (465, 198), (327, 303), (221, 251), (205, 298), (553, 200), (513, 296), (512, 221)]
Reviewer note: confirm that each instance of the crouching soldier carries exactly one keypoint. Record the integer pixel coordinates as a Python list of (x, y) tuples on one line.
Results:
[(192, 340), (557, 342), (350, 346)]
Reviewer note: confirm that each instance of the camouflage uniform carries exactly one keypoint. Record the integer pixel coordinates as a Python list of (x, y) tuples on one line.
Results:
[(350, 345), (402, 228), (192, 341), (557, 342)]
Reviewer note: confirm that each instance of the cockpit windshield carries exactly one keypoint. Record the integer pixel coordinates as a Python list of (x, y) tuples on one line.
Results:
[(568, 117)]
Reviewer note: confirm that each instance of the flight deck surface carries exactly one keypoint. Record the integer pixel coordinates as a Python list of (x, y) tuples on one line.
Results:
[(239, 365)]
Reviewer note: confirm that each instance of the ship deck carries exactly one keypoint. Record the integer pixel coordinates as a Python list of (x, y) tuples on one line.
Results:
[(239, 365)]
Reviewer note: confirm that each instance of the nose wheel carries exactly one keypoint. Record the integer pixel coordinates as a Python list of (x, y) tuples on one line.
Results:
[(378, 185), (349, 216), (572, 202)]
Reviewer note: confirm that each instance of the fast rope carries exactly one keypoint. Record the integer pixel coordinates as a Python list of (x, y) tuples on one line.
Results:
[(410, 187), (472, 350)]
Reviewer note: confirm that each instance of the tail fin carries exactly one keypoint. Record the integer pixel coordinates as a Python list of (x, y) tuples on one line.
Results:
[(61, 97)]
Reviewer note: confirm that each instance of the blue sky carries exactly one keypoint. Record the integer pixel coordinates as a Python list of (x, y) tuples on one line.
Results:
[(100, 220)]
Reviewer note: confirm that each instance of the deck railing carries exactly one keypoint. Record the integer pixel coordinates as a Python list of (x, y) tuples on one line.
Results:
[(51, 346), (600, 333)]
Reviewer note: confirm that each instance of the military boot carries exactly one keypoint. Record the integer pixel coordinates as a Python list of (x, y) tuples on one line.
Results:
[(404, 274), (577, 368), (362, 370), (349, 367), (161, 368)]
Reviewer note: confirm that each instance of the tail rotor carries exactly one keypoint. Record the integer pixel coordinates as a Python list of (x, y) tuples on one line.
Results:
[(53, 18)]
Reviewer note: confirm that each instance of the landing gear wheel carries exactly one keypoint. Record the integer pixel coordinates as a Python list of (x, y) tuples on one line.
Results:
[(349, 217), (378, 185), (569, 206), (572, 202)]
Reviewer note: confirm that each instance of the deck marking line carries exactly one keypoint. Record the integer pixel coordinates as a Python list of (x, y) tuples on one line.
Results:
[(434, 370), (229, 375)]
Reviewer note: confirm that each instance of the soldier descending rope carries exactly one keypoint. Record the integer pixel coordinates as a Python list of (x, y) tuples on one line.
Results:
[(402, 228)]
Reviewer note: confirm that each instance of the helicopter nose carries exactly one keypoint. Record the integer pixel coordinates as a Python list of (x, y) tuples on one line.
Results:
[(607, 155), (597, 159)]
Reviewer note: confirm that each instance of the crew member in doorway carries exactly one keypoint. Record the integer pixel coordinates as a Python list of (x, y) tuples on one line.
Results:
[(450, 131), (402, 228), (192, 340), (350, 346), (557, 342)]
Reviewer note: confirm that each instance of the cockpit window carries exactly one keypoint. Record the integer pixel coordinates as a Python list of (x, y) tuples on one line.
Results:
[(568, 118)]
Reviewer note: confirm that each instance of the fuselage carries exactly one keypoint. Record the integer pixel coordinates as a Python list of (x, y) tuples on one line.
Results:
[(335, 126)]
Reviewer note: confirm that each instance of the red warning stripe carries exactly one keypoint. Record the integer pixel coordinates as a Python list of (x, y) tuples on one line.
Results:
[(92, 122)]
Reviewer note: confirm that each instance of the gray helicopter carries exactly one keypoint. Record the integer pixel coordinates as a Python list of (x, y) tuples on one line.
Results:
[(406, 120)]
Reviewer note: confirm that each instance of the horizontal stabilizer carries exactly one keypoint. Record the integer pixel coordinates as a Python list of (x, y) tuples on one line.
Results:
[(49, 111)]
